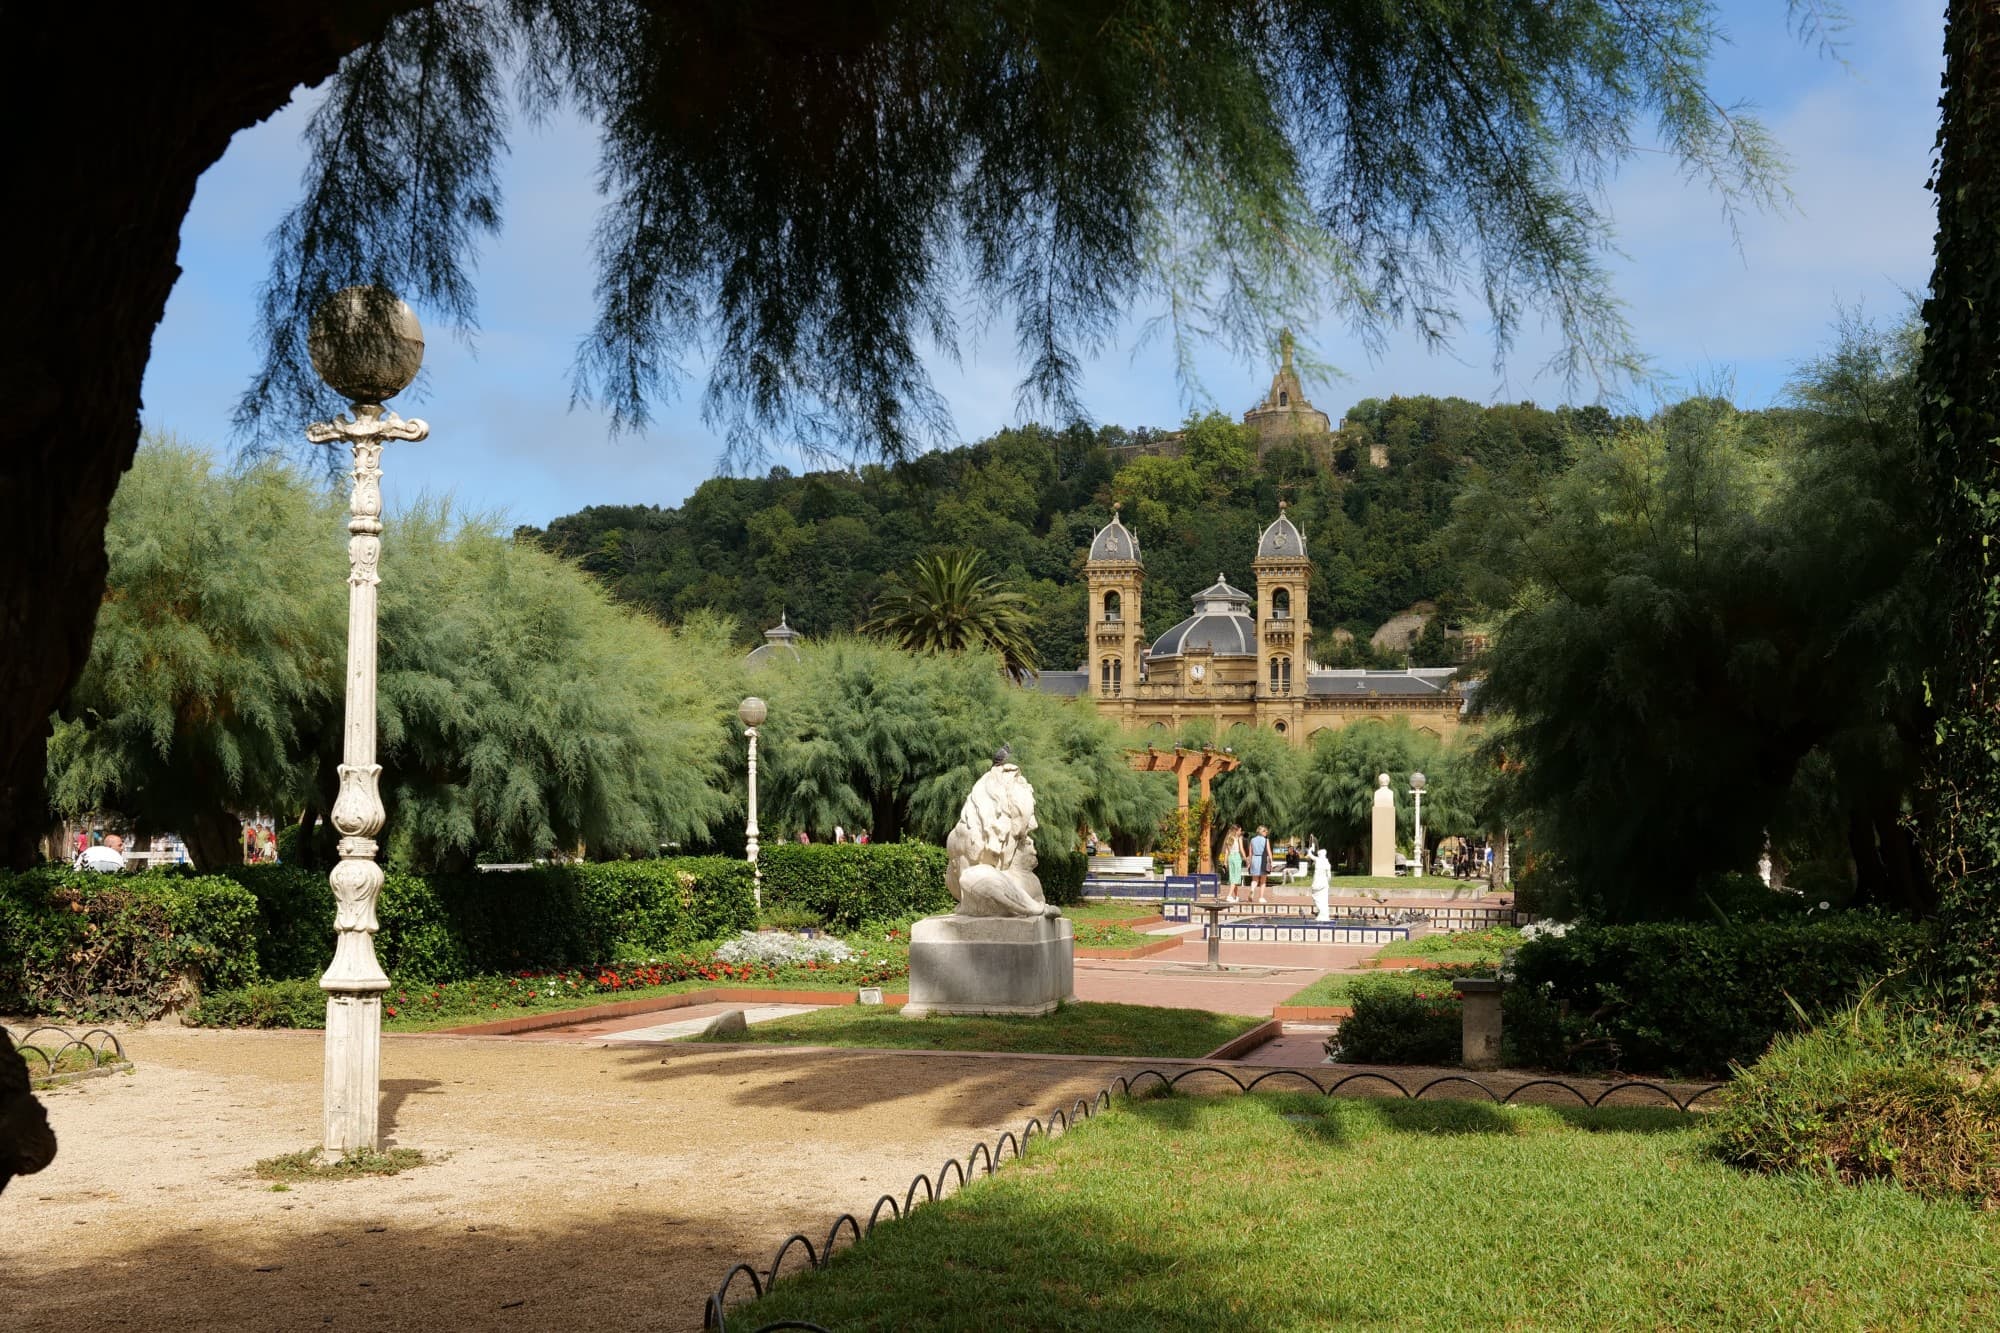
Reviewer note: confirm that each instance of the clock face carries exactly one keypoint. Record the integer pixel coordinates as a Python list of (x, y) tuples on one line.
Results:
[(1197, 671)]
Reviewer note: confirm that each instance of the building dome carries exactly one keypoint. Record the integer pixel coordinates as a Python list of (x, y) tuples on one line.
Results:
[(1115, 541), (1282, 540), (780, 638), (1221, 623)]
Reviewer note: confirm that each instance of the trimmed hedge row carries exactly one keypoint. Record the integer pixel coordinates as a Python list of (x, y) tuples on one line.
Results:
[(449, 927), (845, 884), (1689, 999), (82, 945)]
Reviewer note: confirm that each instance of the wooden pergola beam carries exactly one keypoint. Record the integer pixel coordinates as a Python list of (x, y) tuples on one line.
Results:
[(1202, 766)]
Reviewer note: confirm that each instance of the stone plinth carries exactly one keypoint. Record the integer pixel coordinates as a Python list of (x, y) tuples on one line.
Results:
[(1479, 1001), (991, 965), (1382, 840)]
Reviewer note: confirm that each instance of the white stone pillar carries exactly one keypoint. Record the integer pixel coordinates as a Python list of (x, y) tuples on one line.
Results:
[(1382, 843), (368, 346)]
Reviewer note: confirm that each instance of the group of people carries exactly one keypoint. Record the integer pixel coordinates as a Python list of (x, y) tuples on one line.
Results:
[(859, 838), (1258, 859), (1464, 858)]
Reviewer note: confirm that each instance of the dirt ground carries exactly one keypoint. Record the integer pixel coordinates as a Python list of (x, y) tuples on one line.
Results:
[(574, 1184)]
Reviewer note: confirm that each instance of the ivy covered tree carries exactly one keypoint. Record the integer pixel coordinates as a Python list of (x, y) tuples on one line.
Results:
[(1959, 402), (804, 190)]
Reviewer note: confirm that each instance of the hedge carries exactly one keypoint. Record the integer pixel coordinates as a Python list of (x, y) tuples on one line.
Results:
[(845, 884), (1689, 999), (448, 927), (83, 945)]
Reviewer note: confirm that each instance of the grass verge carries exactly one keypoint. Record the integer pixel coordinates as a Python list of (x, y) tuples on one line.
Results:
[(1336, 988), (1074, 1029), (1481, 947), (1297, 1212), (313, 1164)]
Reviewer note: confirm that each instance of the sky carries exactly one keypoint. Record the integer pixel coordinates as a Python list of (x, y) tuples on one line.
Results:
[(1707, 308)]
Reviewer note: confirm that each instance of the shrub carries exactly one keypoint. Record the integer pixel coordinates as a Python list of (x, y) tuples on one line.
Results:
[(1062, 874), (777, 949), (265, 1004), (95, 946), (1874, 1092), (1394, 1023), (1689, 999), (445, 927), (845, 884)]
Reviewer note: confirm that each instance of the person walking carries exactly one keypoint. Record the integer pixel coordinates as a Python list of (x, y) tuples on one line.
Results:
[(1260, 862), (1232, 860)]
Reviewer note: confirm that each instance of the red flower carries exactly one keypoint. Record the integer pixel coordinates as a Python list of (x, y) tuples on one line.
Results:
[(390, 1010)]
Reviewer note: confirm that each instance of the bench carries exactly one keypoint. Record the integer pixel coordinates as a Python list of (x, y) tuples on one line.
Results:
[(1118, 865)]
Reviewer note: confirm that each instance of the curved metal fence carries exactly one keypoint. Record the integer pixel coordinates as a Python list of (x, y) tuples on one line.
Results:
[(715, 1313), (99, 1046)]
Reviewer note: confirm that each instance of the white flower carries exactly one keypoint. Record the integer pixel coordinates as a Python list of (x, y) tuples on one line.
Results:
[(777, 948)]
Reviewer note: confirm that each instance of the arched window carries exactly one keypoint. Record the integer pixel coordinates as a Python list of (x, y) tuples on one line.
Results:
[(1114, 606), (1281, 604), (1281, 675), (1284, 398), (1110, 677)]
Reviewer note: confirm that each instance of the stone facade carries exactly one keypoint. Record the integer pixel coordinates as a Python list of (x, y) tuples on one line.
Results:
[(1242, 659)]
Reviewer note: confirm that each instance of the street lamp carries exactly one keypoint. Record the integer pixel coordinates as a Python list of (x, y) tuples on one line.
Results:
[(367, 346), (1417, 799), (753, 712)]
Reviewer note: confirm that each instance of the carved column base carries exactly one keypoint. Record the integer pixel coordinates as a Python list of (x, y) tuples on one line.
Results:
[(354, 967), (353, 1071)]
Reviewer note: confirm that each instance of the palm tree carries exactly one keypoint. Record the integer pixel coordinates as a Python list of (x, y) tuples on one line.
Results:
[(944, 605)]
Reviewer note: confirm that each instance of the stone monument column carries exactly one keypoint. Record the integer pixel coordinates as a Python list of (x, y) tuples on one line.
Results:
[(1382, 840)]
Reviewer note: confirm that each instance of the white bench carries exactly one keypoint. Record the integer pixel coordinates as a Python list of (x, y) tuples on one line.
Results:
[(1119, 865)]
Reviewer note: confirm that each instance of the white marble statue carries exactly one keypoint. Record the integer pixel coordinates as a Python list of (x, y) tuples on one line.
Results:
[(1322, 885), (992, 850)]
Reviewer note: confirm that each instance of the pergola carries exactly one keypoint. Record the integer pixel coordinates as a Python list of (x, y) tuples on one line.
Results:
[(1188, 766)]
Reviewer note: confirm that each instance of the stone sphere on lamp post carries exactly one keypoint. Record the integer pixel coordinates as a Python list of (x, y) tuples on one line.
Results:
[(366, 344)]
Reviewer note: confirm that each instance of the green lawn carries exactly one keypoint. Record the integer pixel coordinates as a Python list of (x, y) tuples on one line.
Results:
[(1470, 946), (1281, 1212), (1102, 913), (1074, 1029)]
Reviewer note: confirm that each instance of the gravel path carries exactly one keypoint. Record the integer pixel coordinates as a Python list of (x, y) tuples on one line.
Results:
[(577, 1185)]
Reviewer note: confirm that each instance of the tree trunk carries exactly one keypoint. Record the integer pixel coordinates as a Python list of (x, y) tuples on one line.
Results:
[(215, 840), (1959, 416), (116, 115)]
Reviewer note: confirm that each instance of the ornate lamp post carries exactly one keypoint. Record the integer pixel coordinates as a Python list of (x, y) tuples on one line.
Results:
[(1417, 796), (367, 346), (753, 712)]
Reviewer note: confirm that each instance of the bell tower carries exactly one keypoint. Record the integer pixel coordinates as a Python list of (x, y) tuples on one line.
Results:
[(1114, 628), (1284, 631)]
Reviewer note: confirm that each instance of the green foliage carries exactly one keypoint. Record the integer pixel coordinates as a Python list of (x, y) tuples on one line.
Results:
[(298, 1003), (443, 927), (89, 946), (844, 885), (1401, 1023), (1876, 1092), (1958, 380), (868, 737), (1718, 629), (218, 649), (1690, 999), (1242, 168), (945, 605), (1340, 783), (521, 712)]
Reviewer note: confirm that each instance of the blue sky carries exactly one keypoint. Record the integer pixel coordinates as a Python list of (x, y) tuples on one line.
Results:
[(503, 438)]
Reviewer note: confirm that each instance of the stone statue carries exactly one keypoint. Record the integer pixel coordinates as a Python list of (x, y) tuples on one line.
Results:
[(992, 850), (1382, 831), (1004, 950)]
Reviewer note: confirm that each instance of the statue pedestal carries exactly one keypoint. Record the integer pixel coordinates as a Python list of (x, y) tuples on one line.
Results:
[(991, 965)]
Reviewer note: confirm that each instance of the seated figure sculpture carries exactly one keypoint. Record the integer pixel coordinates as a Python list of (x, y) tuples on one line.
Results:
[(992, 849)]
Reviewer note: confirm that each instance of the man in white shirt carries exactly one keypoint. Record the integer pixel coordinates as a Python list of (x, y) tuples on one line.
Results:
[(107, 856)]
